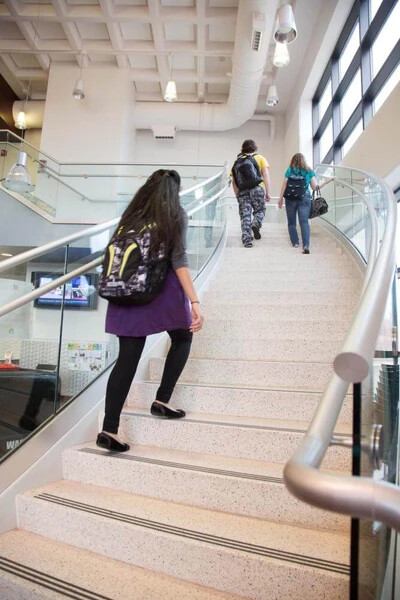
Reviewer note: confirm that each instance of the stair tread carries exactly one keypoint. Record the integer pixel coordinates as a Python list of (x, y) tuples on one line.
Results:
[(322, 545), (237, 421), (61, 565), (215, 464)]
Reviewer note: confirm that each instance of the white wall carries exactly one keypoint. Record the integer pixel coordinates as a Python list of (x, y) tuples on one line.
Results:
[(378, 148), (96, 129), (215, 147)]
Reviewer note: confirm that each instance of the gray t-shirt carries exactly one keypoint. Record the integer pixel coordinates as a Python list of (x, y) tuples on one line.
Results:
[(179, 257)]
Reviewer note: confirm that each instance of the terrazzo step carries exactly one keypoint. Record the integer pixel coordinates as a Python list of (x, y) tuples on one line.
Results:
[(314, 376), (282, 298), (37, 568), (274, 249), (313, 312), (235, 554), (280, 241), (293, 329), (282, 276), (285, 283), (285, 263), (240, 401), (223, 435), (269, 349), (251, 488)]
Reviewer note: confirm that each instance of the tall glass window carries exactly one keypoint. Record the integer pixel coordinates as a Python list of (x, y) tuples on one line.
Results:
[(325, 99), (326, 140), (386, 40), (360, 76), (351, 98), (353, 137), (351, 47), (387, 89)]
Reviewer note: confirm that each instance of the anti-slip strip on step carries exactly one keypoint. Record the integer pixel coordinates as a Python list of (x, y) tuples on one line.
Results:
[(282, 555), (183, 466), (225, 424), (49, 582)]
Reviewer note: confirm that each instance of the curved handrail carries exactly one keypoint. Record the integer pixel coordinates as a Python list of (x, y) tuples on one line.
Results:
[(354, 496), (44, 289), (13, 261)]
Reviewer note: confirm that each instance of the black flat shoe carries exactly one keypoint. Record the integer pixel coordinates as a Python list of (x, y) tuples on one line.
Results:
[(256, 231), (160, 410), (306, 251), (109, 443)]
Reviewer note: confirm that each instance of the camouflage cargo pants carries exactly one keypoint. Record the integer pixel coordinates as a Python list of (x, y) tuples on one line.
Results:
[(251, 211)]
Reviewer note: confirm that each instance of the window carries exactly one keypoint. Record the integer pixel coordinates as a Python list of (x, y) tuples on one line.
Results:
[(351, 47), (353, 137), (351, 98), (386, 40), (326, 140), (387, 89), (325, 99), (373, 8), (362, 71)]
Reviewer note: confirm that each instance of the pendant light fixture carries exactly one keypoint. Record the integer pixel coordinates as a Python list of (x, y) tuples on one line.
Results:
[(281, 55), (78, 92), (286, 30), (20, 123), (18, 179), (272, 96), (170, 94)]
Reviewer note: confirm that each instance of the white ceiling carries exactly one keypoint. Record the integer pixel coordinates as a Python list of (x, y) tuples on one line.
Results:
[(141, 35)]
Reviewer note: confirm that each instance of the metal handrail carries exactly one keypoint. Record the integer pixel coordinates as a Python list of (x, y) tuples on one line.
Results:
[(44, 289), (13, 261), (355, 496)]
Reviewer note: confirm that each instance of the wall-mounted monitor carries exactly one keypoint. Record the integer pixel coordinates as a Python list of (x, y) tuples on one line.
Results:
[(80, 292)]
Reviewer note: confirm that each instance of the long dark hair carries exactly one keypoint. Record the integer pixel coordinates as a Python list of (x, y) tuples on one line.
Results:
[(157, 201)]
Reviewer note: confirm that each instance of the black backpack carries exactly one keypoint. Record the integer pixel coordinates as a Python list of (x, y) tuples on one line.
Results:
[(130, 275), (296, 186), (246, 172)]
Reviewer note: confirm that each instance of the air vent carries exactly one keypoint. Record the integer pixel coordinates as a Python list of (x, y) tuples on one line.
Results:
[(258, 30), (163, 132)]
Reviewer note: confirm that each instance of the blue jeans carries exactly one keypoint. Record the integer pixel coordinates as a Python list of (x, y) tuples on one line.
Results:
[(302, 208)]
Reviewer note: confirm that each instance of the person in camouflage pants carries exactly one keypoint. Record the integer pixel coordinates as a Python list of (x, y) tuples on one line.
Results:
[(251, 201), (250, 181)]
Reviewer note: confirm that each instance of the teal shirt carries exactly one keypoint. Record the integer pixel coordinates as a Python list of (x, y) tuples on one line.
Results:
[(308, 175)]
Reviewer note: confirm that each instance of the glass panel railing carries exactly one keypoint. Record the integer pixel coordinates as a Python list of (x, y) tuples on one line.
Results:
[(54, 347), (89, 193), (358, 207)]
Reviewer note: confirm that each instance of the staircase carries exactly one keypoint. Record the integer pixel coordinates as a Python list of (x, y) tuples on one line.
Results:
[(198, 509)]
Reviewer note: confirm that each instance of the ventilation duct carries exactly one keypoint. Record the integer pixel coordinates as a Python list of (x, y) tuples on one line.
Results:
[(258, 30), (247, 75), (163, 132)]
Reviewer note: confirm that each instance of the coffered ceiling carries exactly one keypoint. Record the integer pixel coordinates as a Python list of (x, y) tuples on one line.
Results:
[(148, 37)]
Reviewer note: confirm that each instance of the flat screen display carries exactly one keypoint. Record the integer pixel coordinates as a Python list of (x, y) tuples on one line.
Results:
[(79, 292)]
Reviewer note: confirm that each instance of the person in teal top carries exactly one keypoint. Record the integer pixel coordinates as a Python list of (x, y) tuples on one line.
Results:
[(298, 199)]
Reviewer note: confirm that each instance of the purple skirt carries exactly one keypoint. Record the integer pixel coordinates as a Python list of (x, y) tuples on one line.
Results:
[(169, 310)]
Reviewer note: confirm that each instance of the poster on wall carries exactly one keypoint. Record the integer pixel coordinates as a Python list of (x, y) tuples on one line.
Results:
[(86, 357)]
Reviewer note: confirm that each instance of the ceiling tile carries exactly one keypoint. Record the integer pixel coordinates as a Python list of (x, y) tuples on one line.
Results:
[(92, 31), (10, 31), (180, 32), (186, 88), (218, 88), (227, 33), (184, 61), (217, 65), (142, 61), (25, 61), (190, 3), (223, 3), (136, 31), (49, 31)]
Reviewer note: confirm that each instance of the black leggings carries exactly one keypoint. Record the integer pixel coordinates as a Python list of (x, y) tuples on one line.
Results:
[(130, 351)]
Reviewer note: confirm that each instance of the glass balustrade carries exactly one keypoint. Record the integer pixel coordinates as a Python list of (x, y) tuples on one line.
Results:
[(358, 203), (91, 193)]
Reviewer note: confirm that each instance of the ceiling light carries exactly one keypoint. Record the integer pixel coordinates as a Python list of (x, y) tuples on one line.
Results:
[(5, 254), (286, 30), (78, 92), (170, 90), (20, 123), (272, 96), (281, 55), (18, 179)]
